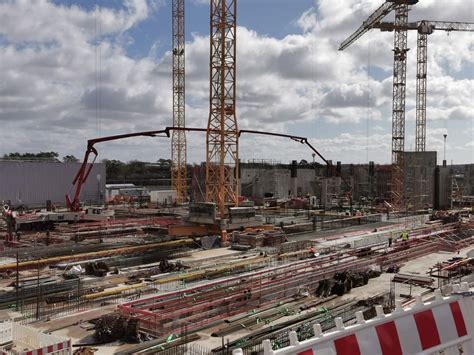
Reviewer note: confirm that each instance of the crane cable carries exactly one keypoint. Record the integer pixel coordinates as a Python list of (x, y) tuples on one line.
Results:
[(369, 111), (98, 64)]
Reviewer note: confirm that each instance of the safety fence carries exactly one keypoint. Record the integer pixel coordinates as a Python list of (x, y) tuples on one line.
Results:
[(83, 299), (304, 330), (330, 222), (40, 304), (443, 326), (336, 222), (14, 336)]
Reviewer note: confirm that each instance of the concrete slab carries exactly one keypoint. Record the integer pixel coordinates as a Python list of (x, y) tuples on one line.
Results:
[(210, 254)]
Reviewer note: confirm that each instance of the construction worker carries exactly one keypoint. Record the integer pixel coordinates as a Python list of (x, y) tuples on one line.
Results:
[(405, 237), (390, 239)]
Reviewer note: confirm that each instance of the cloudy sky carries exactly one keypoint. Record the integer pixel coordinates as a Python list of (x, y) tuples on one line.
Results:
[(71, 70)]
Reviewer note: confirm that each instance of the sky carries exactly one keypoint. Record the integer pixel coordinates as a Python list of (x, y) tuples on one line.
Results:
[(71, 70)]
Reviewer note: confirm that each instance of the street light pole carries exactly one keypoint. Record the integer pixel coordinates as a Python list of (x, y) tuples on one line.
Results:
[(444, 159)]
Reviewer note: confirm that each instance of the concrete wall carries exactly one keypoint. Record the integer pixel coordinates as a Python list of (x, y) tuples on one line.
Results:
[(306, 184), (258, 181), (419, 178), (419, 184), (443, 188), (166, 197), (33, 183), (383, 174), (469, 180)]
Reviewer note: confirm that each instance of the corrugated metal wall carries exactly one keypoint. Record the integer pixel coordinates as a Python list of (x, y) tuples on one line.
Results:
[(33, 183)]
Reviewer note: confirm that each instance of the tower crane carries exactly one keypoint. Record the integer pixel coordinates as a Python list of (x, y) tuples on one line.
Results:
[(424, 29), (401, 8), (222, 139), (178, 139)]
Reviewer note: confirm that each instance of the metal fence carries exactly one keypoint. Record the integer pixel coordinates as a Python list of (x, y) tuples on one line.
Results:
[(189, 349), (336, 222), (81, 299)]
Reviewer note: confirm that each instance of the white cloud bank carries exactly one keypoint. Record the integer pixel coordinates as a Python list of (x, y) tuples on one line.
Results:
[(56, 78)]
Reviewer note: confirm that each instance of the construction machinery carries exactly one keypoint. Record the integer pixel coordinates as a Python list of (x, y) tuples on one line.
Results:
[(86, 167), (424, 29), (222, 140), (178, 139), (82, 175), (401, 8)]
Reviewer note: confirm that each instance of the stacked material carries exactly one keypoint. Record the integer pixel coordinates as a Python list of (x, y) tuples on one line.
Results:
[(259, 238), (111, 327)]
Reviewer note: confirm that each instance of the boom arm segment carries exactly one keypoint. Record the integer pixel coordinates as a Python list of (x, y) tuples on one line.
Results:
[(452, 26), (86, 167), (427, 27), (372, 20)]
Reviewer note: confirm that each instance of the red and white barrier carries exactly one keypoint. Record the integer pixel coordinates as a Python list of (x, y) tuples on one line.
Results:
[(445, 324), (63, 348), (27, 338)]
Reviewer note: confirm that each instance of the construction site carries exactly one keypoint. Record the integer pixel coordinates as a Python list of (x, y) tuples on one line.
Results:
[(233, 256)]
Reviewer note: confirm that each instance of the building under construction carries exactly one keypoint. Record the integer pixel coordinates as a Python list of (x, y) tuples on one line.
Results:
[(243, 257)]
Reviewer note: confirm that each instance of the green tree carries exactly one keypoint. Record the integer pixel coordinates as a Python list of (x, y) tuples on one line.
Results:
[(115, 169), (164, 162), (47, 156), (70, 159), (136, 168)]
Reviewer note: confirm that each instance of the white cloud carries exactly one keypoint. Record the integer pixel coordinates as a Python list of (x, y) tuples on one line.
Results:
[(50, 87), (31, 21)]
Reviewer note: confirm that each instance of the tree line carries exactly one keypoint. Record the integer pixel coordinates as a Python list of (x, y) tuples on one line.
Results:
[(138, 172), (116, 170), (41, 156)]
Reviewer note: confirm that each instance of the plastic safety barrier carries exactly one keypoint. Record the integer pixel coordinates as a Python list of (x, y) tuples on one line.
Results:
[(63, 348), (445, 324), (25, 337)]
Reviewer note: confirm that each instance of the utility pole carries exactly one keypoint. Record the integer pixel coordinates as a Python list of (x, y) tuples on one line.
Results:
[(178, 139), (222, 139), (444, 156)]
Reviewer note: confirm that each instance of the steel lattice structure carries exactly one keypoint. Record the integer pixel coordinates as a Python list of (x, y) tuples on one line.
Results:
[(222, 140), (400, 26), (421, 77), (424, 29), (371, 21), (178, 139), (401, 8), (399, 98)]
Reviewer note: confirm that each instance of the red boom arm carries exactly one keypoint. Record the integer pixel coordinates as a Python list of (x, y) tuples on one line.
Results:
[(86, 167)]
